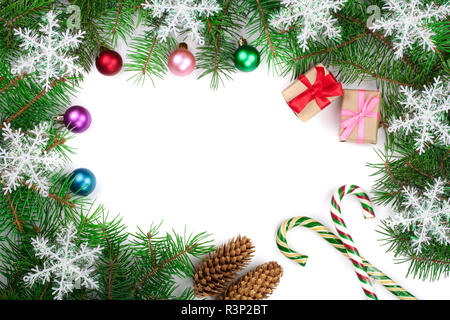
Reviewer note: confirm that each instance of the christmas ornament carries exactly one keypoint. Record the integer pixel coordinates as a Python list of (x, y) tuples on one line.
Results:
[(427, 215), (83, 182), (65, 262), (76, 118), (425, 115), (181, 62), (256, 284), (336, 242), (213, 274), (109, 62), (24, 160), (182, 16), (344, 243), (246, 58), (48, 52), (408, 22), (313, 19)]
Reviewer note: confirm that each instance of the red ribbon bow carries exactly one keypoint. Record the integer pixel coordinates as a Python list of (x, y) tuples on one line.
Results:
[(325, 86)]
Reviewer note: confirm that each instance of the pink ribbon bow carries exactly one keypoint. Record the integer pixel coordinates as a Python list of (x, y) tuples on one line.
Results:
[(365, 108)]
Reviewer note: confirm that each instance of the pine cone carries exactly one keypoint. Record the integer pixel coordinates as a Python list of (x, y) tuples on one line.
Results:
[(256, 284), (213, 275)]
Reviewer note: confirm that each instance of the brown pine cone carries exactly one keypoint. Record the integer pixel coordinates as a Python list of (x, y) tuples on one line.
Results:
[(256, 284), (212, 276)]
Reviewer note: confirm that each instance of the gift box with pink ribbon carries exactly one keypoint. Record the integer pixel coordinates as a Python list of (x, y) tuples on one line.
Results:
[(360, 116), (312, 92)]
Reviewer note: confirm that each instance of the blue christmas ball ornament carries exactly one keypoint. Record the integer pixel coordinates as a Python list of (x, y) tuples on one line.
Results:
[(83, 181)]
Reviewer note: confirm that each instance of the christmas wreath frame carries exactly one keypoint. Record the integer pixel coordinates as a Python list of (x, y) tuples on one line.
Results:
[(146, 267)]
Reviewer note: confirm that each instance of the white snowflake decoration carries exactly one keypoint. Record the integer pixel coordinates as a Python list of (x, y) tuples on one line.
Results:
[(427, 215), (46, 53), (23, 159), (426, 119), (407, 21), (180, 15), (67, 263), (312, 18)]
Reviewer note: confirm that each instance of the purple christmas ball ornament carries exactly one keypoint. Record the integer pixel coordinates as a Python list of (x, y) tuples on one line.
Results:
[(77, 118)]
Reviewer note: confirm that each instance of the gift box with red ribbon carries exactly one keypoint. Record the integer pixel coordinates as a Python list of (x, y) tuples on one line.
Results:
[(360, 116), (312, 92)]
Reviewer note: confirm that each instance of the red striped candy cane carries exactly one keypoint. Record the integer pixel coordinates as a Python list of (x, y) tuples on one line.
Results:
[(336, 215)]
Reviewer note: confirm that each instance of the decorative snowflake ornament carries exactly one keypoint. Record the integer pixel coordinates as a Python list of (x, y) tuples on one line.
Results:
[(65, 262), (180, 15), (312, 18), (407, 21), (427, 215), (23, 159), (426, 120), (46, 53)]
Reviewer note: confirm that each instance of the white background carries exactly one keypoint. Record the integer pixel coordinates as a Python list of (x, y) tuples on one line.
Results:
[(235, 161)]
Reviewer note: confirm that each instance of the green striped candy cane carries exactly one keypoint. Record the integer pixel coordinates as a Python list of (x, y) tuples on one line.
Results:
[(331, 238)]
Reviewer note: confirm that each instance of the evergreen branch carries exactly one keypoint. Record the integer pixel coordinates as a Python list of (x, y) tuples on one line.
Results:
[(148, 55), (110, 266), (409, 164), (330, 49), (116, 260), (110, 278), (13, 82), (116, 20), (442, 164), (150, 246), (152, 48), (377, 34), (51, 195), (32, 101), (11, 21), (377, 76), (430, 264), (57, 142), (188, 249), (44, 291), (266, 28), (274, 44), (388, 168), (221, 34), (117, 17), (445, 262), (216, 50), (14, 212), (218, 36), (153, 297)]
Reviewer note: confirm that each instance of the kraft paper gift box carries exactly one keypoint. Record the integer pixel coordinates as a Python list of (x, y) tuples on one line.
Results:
[(360, 116), (312, 92)]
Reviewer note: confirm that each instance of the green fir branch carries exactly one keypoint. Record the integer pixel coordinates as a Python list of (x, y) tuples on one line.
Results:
[(215, 58), (271, 43), (147, 55), (162, 258)]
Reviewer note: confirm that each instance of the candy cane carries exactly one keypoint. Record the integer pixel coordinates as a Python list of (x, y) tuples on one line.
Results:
[(331, 238), (341, 228)]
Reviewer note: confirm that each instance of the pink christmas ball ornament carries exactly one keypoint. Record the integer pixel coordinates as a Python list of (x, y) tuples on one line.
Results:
[(181, 61)]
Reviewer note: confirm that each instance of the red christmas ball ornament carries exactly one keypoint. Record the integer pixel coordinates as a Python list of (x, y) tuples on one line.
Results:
[(181, 61), (109, 62)]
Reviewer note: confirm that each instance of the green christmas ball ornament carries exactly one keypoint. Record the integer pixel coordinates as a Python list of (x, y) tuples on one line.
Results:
[(246, 58)]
